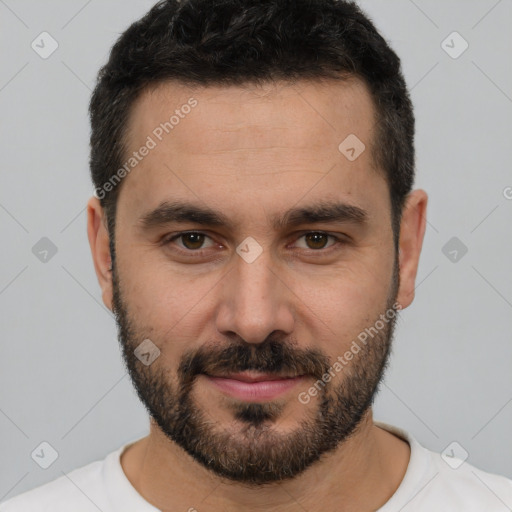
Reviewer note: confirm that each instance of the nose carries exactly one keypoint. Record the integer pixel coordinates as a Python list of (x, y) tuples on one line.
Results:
[(254, 302)]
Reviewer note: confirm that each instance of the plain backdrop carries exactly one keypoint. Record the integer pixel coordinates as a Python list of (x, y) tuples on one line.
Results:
[(61, 376)]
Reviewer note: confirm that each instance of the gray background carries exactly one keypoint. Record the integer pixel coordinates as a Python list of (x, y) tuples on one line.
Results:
[(61, 375)]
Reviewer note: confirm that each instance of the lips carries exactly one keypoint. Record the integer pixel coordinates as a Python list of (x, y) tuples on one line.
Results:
[(249, 376), (254, 386)]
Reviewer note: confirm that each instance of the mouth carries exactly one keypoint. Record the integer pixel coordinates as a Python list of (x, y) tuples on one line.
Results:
[(253, 386)]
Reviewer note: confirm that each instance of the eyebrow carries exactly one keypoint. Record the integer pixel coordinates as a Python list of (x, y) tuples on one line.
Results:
[(328, 212), (169, 212), (176, 211)]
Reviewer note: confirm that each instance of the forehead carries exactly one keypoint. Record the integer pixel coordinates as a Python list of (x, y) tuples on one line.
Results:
[(251, 142), (298, 112)]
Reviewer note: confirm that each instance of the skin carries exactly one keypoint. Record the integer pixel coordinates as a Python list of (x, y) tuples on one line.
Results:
[(252, 152)]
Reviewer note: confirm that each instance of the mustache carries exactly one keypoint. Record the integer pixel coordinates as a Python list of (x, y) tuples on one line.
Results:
[(271, 356)]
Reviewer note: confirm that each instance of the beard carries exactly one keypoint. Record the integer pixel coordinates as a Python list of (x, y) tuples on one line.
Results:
[(255, 452)]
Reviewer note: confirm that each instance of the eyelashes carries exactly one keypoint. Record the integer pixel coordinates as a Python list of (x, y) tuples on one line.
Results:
[(192, 243)]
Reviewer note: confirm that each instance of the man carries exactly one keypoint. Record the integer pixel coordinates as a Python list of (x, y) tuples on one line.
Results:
[(255, 232)]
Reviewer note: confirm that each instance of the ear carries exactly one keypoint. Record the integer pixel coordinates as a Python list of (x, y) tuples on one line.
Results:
[(100, 249), (412, 231)]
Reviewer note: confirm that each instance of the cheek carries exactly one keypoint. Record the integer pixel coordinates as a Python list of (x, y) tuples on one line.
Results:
[(171, 307), (338, 309)]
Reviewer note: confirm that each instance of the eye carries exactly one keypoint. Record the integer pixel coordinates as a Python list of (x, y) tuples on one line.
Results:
[(190, 240), (317, 240)]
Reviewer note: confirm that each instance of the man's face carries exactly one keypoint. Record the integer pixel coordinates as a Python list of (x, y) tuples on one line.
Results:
[(257, 290)]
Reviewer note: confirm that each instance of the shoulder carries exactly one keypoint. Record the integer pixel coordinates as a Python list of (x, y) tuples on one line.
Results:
[(446, 482), (81, 490), (462, 484)]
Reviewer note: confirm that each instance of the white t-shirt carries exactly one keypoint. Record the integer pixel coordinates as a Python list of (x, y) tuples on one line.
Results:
[(430, 484)]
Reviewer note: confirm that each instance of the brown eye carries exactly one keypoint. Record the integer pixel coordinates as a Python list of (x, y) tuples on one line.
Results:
[(192, 246), (316, 240), (192, 241)]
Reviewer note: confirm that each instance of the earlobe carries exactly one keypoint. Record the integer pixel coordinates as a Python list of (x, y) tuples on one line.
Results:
[(98, 235), (412, 231)]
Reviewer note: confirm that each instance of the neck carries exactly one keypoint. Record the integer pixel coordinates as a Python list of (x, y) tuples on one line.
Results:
[(361, 474)]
